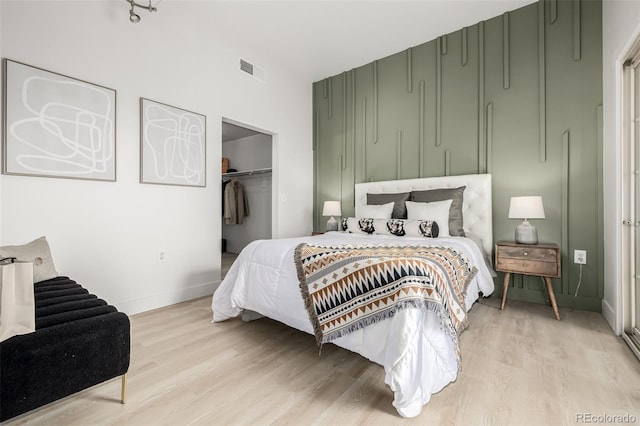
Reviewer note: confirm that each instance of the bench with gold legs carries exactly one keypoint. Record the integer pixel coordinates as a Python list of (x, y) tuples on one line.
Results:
[(80, 341)]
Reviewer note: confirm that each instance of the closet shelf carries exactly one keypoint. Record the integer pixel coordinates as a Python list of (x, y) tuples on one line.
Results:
[(247, 173)]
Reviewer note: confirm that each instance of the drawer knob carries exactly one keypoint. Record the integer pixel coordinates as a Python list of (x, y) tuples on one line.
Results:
[(526, 253)]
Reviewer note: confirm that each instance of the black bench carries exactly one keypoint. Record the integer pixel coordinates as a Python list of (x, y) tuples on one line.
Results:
[(79, 341)]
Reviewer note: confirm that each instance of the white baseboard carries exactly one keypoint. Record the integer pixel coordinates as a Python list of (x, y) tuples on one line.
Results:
[(611, 317), (136, 306)]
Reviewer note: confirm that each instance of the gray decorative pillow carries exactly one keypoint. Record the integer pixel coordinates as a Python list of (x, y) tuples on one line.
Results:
[(37, 251), (399, 209), (456, 225)]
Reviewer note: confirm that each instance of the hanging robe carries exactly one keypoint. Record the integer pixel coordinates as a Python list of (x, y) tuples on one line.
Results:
[(236, 206)]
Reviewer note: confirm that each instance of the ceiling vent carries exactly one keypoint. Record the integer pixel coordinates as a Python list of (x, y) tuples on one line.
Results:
[(254, 71)]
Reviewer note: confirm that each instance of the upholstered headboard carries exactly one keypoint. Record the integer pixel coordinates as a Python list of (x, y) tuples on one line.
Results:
[(476, 205)]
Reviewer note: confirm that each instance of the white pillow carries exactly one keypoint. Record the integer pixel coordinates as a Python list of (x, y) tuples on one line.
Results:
[(437, 211), (382, 211)]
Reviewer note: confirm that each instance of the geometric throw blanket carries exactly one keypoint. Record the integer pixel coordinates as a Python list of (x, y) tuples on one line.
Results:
[(348, 287)]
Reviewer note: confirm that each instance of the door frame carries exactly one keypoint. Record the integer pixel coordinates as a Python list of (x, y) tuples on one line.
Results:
[(275, 147), (630, 193)]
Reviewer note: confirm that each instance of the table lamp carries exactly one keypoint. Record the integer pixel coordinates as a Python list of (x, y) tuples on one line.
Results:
[(526, 208), (332, 208)]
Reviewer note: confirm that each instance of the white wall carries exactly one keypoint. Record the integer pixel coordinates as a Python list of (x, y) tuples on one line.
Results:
[(107, 235), (620, 26)]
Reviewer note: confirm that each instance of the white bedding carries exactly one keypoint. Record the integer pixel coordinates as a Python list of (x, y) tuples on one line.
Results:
[(418, 356)]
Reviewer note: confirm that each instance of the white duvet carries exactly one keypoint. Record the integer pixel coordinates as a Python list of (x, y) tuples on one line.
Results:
[(418, 356)]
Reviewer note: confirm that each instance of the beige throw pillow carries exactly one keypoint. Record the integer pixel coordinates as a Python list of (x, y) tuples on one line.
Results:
[(37, 251)]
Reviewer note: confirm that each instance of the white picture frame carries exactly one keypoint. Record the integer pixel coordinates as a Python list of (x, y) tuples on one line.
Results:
[(57, 126), (172, 145)]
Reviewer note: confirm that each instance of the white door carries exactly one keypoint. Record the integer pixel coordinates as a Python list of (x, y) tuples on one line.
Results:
[(631, 294)]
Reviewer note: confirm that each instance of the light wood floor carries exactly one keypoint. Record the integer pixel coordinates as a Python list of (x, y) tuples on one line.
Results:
[(520, 367), (226, 261)]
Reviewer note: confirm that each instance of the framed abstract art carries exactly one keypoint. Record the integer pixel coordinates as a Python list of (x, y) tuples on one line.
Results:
[(172, 145), (57, 126)]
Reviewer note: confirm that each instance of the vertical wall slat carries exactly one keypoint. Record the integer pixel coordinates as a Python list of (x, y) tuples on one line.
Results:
[(340, 173), (506, 69), (353, 126), (330, 97), (481, 106), (553, 11), (447, 162), (375, 101), (316, 165), (489, 116), (409, 70), (438, 93), (316, 129), (577, 29), (344, 122), (364, 139), (565, 209), (443, 40), (465, 46), (398, 154), (542, 83), (421, 146)]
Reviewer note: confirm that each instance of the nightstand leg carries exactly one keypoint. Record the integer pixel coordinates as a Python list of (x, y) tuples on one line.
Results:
[(505, 286), (552, 297)]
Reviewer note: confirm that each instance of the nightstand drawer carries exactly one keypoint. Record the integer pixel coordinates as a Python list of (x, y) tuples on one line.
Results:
[(527, 253), (525, 266)]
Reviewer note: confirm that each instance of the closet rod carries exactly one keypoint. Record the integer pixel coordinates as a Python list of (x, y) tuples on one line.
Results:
[(247, 173)]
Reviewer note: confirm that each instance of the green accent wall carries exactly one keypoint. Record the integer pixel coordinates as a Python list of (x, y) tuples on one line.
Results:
[(518, 96)]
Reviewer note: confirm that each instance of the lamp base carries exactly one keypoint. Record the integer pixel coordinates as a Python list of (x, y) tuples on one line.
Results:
[(526, 233), (332, 224)]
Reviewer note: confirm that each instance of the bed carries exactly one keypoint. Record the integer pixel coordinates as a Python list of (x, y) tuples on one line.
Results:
[(418, 356)]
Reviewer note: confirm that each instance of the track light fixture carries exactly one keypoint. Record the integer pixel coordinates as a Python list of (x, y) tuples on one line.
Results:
[(133, 16)]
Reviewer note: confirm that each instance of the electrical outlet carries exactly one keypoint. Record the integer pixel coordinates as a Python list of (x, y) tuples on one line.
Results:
[(580, 257), (162, 255)]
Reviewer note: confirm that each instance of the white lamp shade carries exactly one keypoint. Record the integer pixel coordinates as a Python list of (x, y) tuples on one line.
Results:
[(331, 208), (526, 208)]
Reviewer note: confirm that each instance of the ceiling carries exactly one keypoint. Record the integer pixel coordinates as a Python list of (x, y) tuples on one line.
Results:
[(320, 38), (231, 132)]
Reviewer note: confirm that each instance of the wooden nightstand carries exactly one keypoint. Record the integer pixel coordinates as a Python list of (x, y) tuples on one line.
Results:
[(539, 259), (314, 233)]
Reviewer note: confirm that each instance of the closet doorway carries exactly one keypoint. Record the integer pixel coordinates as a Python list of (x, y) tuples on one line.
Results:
[(246, 188)]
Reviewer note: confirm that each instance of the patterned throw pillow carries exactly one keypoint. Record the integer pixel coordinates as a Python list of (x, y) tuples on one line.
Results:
[(397, 227)]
